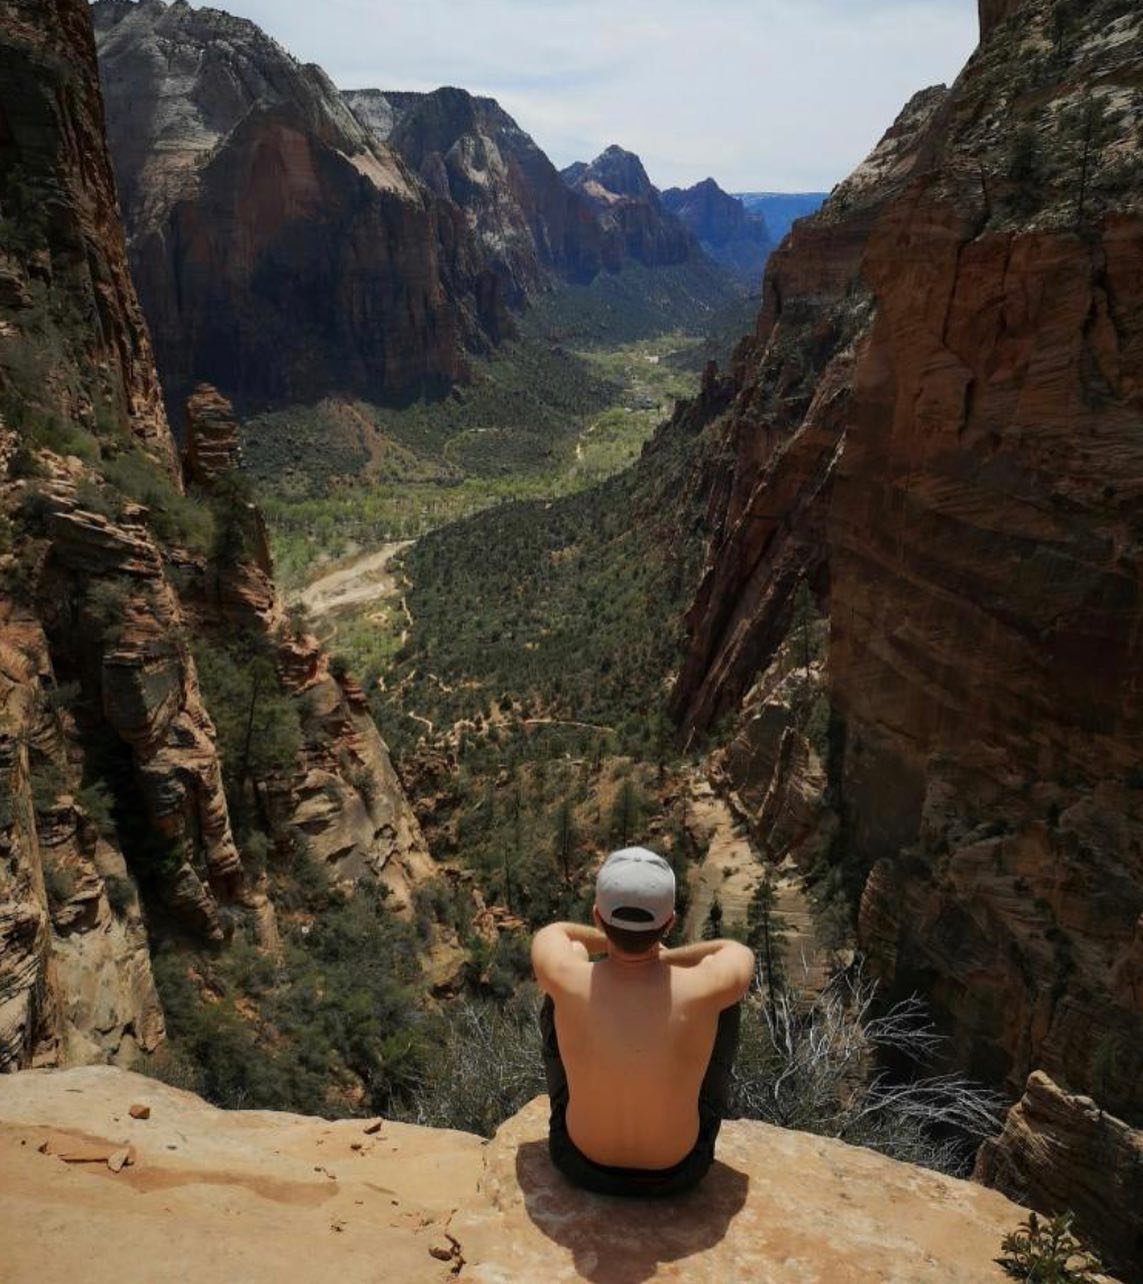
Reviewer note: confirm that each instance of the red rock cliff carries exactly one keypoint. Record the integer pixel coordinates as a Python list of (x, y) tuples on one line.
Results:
[(281, 251), (957, 476)]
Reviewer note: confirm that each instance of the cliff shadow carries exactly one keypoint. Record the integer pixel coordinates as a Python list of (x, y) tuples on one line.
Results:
[(624, 1241)]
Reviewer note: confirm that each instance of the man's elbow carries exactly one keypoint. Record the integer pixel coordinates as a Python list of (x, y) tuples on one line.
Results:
[(743, 966)]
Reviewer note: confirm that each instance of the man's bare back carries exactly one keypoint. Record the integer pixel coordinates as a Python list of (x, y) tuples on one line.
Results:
[(635, 1036)]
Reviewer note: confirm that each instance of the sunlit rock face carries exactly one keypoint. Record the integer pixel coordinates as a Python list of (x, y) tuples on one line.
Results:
[(635, 223), (935, 427), (280, 249), (431, 1205), (468, 150)]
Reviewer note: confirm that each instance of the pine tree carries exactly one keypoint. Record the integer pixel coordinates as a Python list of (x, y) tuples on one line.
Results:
[(712, 928), (625, 814), (565, 839), (766, 936)]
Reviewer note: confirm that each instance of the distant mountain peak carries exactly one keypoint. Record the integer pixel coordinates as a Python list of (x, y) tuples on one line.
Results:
[(615, 171)]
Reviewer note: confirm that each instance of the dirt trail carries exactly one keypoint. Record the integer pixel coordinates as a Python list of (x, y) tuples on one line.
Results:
[(732, 869), (364, 580)]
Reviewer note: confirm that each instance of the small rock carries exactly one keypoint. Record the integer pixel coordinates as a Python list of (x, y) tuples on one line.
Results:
[(372, 1129), (441, 1249), (138, 1111), (121, 1159), (355, 1145)]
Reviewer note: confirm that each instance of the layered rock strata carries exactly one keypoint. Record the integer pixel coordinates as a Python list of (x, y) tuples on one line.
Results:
[(469, 151), (58, 190), (343, 794), (110, 771), (727, 232), (935, 431), (282, 252), (635, 223), (1061, 1153), (435, 1205)]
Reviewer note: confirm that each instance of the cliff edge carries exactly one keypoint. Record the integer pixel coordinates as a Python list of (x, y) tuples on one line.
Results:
[(217, 1195)]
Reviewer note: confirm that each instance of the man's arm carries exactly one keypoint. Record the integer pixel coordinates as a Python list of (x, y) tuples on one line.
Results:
[(726, 968), (560, 948)]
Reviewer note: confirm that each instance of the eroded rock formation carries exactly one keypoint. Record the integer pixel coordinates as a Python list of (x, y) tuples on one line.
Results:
[(935, 431), (1061, 1152), (777, 1206), (726, 231), (635, 223), (343, 795), (281, 251), (111, 776), (469, 151), (57, 187)]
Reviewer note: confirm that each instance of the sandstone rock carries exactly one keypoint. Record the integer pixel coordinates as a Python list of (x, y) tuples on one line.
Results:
[(139, 1111), (212, 449), (75, 982), (1060, 1152), (933, 427), (239, 1198), (635, 223), (726, 231), (470, 151), (52, 113), (236, 162)]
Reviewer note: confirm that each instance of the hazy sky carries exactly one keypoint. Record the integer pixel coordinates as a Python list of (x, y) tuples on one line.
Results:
[(781, 95)]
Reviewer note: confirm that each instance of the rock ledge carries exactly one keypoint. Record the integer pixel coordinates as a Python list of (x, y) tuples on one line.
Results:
[(216, 1195)]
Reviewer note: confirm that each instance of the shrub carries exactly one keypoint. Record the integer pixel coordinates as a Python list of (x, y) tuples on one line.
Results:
[(96, 801), (173, 517), (1046, 1252), (48, 783), (59, 882), (120, 894), (487, 1066), (364, 782), (106, 605), (816, 1068)]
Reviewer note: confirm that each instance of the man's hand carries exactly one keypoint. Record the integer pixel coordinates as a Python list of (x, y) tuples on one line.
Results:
[(561, 947)]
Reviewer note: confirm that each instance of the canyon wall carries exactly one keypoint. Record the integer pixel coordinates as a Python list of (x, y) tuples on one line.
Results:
[(727, 232), (112, 781), (281, 251), (935, 435), (469, 151)]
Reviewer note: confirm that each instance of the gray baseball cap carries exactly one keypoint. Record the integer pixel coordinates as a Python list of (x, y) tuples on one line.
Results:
[(638, 880)]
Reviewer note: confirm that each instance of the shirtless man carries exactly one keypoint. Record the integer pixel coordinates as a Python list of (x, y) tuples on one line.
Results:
[(638, 1046)]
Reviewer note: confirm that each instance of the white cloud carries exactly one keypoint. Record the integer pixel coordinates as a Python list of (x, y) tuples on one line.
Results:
[(774, 94)]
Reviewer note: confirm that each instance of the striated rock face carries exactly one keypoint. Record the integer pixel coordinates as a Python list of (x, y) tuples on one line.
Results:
[(343, 795), (777, 1205), (57, 187), (1060, 1152), (75, 971), (281, 250), (117, 627), (935, 430), (779, 443), (635, 223), (469, 151), (212, 449), (726, 231)]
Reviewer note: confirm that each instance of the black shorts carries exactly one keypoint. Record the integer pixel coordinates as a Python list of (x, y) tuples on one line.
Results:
[(714, 1096)]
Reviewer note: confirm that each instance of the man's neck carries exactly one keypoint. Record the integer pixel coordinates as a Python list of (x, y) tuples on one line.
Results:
[(620, 959)]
